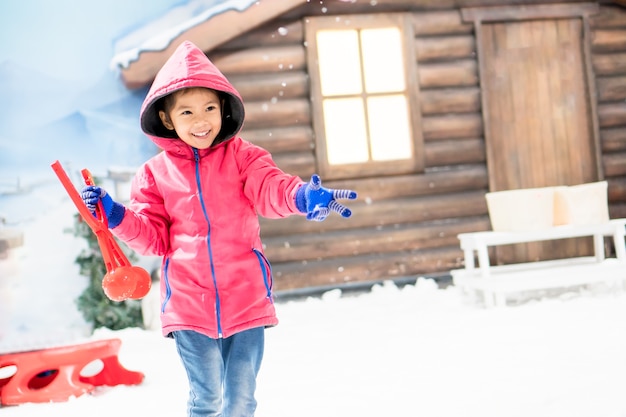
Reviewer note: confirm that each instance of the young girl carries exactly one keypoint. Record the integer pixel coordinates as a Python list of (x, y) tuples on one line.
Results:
[(196, 204)]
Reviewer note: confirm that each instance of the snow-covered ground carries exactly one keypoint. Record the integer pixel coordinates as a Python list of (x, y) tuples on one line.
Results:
[(409, 351)]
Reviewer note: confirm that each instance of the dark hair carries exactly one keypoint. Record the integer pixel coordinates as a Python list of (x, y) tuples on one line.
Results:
[(166, 102)]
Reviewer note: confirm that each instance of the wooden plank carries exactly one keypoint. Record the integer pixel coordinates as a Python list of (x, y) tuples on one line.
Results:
[(436, 182), (611, 88), (616, 192), (301, 164), (454, 152), (271, 86), (366, 268), (387, 239), (277, 32), (373, 169), (207, 35), (281, 139), (386, 212), (606, 41), (542, 11), (614, 164), (609, 64), (294, 112), (608, 17), (257, 60), (612, 114), (450, 100), (613, 139), (456, 73), (452, 126), (343, 7), (444, 22), (617, 210), (444, 48)]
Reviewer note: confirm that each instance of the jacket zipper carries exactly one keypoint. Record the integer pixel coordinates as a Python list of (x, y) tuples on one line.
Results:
[(208, 238)]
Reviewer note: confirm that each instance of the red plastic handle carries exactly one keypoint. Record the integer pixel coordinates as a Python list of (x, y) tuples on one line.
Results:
[(130, 281), (100, 215), (84, 212), (111, 252)]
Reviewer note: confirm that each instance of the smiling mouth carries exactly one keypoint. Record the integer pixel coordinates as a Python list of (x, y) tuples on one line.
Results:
[(201, 134)]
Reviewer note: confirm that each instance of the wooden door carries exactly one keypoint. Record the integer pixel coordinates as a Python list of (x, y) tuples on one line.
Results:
[(538, 129)]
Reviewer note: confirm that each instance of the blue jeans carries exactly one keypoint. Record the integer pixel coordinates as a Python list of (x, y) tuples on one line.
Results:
[(222, 372)]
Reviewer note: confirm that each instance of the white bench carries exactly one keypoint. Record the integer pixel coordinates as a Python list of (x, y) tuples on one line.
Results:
[(497, 281)]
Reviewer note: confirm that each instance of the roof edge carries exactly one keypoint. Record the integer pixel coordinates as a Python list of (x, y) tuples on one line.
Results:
[(207, 35)]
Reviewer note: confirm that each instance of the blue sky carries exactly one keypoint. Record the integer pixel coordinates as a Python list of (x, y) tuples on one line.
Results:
[(70, 39), (60, 98)]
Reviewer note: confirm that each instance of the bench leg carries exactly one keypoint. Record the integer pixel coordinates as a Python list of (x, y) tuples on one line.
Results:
[(618, 241), (468, 255)]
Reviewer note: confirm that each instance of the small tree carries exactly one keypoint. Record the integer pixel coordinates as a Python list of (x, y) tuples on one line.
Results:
[(93, 303)]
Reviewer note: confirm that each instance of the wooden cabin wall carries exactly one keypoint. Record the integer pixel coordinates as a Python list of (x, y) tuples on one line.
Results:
[(402, 226), (608, 48)]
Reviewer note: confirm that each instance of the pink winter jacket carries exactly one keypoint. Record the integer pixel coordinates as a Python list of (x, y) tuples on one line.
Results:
[(198, 209)]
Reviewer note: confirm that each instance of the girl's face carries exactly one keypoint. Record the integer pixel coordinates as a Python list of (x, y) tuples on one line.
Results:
[(196, 116)]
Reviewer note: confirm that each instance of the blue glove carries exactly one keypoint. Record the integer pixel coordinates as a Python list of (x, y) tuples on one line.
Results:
[(317, 202), (113, 210)]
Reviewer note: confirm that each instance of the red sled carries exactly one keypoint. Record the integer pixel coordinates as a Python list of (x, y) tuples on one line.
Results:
[(54, 375)]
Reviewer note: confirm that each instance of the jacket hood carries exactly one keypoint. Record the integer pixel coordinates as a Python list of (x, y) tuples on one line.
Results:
[(189, 67)]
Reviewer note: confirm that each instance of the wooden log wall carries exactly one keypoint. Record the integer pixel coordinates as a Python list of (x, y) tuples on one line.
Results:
[(402, 225), (608, 48)]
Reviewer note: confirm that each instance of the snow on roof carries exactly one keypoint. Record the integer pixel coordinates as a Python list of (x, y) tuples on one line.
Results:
[(157, 35)]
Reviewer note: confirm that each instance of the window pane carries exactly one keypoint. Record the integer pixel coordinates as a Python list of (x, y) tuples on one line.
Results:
[(389, 128), (383, 61), (346, 136), (339, 63)]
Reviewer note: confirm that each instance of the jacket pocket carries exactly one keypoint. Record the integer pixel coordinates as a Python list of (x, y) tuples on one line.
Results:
[(266, 271), (168, 289)]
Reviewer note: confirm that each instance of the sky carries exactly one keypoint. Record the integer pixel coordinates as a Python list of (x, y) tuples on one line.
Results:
[(60, 97), (55, 37)]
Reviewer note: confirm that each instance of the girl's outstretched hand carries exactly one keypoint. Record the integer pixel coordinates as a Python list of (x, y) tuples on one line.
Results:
[(317, 202)]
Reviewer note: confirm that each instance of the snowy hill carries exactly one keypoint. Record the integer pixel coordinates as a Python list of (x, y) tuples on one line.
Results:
[(22, 88)]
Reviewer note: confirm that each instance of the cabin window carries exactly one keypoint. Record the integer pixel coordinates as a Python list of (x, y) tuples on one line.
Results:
[(364, 95)]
